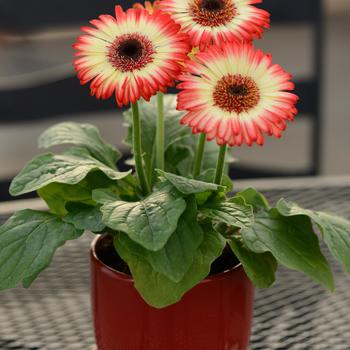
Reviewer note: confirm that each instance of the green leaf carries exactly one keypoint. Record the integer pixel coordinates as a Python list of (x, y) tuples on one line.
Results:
[(254, 198), (58, 195), (176, 258), (85, 217), (292, 241), (174, 132), (209, 176), (124, 189), (158, 290), (69, 168), (149, 222), (260, 268), (84, 135), (103, 195), (177, 159), (179, 141), (335, 230), (28, 241), (234, 212), (189, 186)]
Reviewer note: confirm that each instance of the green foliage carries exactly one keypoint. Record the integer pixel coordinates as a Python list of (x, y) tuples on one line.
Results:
[(335, 230), (149, 222), (234, 212), (104, 195), (185, 151), (291, 241), (85, 217), (28, 241), (209, 176), (157, 289), (58, 195), (167, 238), (189, 186), (69, 168), (179, 141), (174, 132), (254, 198), (175, 259), (260, 268), (84, 135)]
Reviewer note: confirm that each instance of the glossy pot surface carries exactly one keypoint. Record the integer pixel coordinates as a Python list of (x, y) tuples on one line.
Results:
[(214, 315)]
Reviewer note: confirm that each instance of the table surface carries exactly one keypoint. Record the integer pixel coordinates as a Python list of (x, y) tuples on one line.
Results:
[(295, 314)]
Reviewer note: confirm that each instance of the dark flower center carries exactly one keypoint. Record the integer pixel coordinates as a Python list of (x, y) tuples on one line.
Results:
[(131, 52), (212, 13), (238, 90), (236, 93), (212, 5), (130, 49)]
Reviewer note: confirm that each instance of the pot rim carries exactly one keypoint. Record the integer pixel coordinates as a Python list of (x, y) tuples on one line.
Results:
[(128, 278)]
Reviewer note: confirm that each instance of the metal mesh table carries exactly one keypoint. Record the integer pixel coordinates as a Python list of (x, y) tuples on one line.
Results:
[(295, 314)]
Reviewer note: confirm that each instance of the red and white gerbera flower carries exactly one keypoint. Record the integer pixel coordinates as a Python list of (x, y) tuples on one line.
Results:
[(216, 21), (235, 93), (133, 55)]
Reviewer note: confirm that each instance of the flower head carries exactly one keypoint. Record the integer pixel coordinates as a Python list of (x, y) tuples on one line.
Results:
[(132, 55), (235, 94), (216, 21), (149, 6)]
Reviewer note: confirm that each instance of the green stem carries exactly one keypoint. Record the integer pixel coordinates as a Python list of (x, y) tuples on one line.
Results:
[(138, 149), (160, 133), (199, 155), (220, 165)]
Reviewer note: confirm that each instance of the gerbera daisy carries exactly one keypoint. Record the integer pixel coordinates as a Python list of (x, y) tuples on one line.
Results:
[(133, 54), (149, 6), (235, 93), (215, 21)]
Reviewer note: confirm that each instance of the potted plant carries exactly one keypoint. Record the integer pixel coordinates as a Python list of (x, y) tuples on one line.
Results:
[(177, 250)]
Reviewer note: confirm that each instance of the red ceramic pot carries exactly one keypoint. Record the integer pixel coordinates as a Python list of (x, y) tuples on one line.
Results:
[(214, 315)]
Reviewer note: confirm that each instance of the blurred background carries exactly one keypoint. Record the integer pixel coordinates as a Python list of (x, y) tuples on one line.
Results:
[(38, 88)]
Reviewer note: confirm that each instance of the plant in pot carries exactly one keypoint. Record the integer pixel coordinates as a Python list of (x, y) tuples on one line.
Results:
[(177, 250)]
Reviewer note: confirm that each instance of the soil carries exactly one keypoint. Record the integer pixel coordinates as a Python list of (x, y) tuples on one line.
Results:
[(108, 255), (226, 261)]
